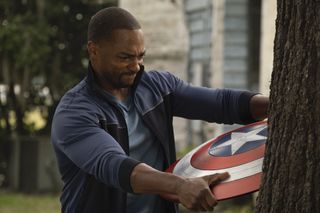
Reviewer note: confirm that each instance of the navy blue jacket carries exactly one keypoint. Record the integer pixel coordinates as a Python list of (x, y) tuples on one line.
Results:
[(89, 134)]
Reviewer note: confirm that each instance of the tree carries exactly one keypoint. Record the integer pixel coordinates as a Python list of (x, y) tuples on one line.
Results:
[(291, 180), (42, 54), (25, 47)]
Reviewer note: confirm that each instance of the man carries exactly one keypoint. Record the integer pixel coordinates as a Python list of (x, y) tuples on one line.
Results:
[(113, 135)]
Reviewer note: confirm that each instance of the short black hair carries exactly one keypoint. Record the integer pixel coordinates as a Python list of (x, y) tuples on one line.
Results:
[(106, 20)]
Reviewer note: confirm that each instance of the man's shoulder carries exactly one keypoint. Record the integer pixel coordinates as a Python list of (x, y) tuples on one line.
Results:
[(78, 96), (162, 79), (158, 74)]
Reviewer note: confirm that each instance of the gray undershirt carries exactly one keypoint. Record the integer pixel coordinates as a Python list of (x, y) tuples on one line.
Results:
[(143, 146)]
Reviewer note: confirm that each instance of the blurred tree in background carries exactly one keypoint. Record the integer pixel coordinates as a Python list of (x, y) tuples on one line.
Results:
[(42, 54)]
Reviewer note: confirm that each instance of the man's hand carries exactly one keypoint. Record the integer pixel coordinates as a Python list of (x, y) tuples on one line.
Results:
[(195, 193), (259, 107)]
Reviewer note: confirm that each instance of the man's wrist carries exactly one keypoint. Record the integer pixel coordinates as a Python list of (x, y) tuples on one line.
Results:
[(177, 185), (145, 179)]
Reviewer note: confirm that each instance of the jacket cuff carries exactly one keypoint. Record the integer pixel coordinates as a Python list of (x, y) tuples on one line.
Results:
[(125, 171), (244, 107)]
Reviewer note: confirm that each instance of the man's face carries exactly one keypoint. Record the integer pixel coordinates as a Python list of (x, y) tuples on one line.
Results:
[(117, 59)]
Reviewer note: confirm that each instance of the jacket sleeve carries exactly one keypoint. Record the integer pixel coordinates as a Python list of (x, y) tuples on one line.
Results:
[(77, 133), (227, 106)]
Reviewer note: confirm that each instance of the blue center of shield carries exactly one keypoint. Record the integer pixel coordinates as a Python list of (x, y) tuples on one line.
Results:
[(240, 141)]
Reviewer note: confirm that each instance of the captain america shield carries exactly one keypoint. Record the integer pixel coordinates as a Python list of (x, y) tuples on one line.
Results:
[(239, 152)]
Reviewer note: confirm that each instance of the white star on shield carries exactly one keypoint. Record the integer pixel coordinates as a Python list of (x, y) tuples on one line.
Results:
[(238, 139)]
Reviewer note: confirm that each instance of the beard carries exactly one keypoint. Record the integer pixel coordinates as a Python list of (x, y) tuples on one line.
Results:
[(117, 80), (126, 79)]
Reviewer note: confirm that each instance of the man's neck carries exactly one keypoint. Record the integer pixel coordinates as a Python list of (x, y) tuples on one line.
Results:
[(120, 94)]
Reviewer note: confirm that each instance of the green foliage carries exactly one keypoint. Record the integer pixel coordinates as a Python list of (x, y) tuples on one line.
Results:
[(42, 54), (44, 49), (25, 41)]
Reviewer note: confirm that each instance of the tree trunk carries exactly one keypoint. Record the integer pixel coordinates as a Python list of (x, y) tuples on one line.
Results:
[(6, 80), (54, 86), (291, 180)]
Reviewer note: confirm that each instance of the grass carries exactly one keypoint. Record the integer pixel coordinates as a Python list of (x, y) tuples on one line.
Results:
[(226, 207), (43, 203), (25, 203)]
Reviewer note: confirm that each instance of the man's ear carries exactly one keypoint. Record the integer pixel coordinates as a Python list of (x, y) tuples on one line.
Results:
[(92, 49)]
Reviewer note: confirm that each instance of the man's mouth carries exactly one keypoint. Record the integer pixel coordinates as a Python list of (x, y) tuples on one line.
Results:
[(130, 73)]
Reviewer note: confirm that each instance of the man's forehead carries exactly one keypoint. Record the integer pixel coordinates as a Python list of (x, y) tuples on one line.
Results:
[(132, 53), (124, 35), (126, 40)]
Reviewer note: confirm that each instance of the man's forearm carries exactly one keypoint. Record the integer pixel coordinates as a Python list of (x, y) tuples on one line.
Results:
[(145, 179), (193, 193)]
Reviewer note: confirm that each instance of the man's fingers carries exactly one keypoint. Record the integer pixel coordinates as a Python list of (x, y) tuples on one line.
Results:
[(217, 178), (211, 201), (199, 195)]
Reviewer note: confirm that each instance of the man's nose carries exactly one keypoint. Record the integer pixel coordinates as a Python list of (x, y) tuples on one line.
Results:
[(134, 66)]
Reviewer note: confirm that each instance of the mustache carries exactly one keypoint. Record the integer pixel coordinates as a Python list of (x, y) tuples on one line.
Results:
[(129, 73)]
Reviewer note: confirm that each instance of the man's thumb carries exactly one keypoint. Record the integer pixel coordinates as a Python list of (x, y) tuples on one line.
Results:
[(217, 178)]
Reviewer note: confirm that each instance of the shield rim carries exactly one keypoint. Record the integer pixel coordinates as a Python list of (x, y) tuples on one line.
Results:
[(225, 190)]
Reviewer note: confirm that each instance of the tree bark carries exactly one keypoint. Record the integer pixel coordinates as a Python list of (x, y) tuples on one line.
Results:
[(291, 180)]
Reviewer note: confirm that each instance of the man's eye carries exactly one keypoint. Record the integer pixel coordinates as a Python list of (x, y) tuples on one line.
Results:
[(141, 57), (124, 57)]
